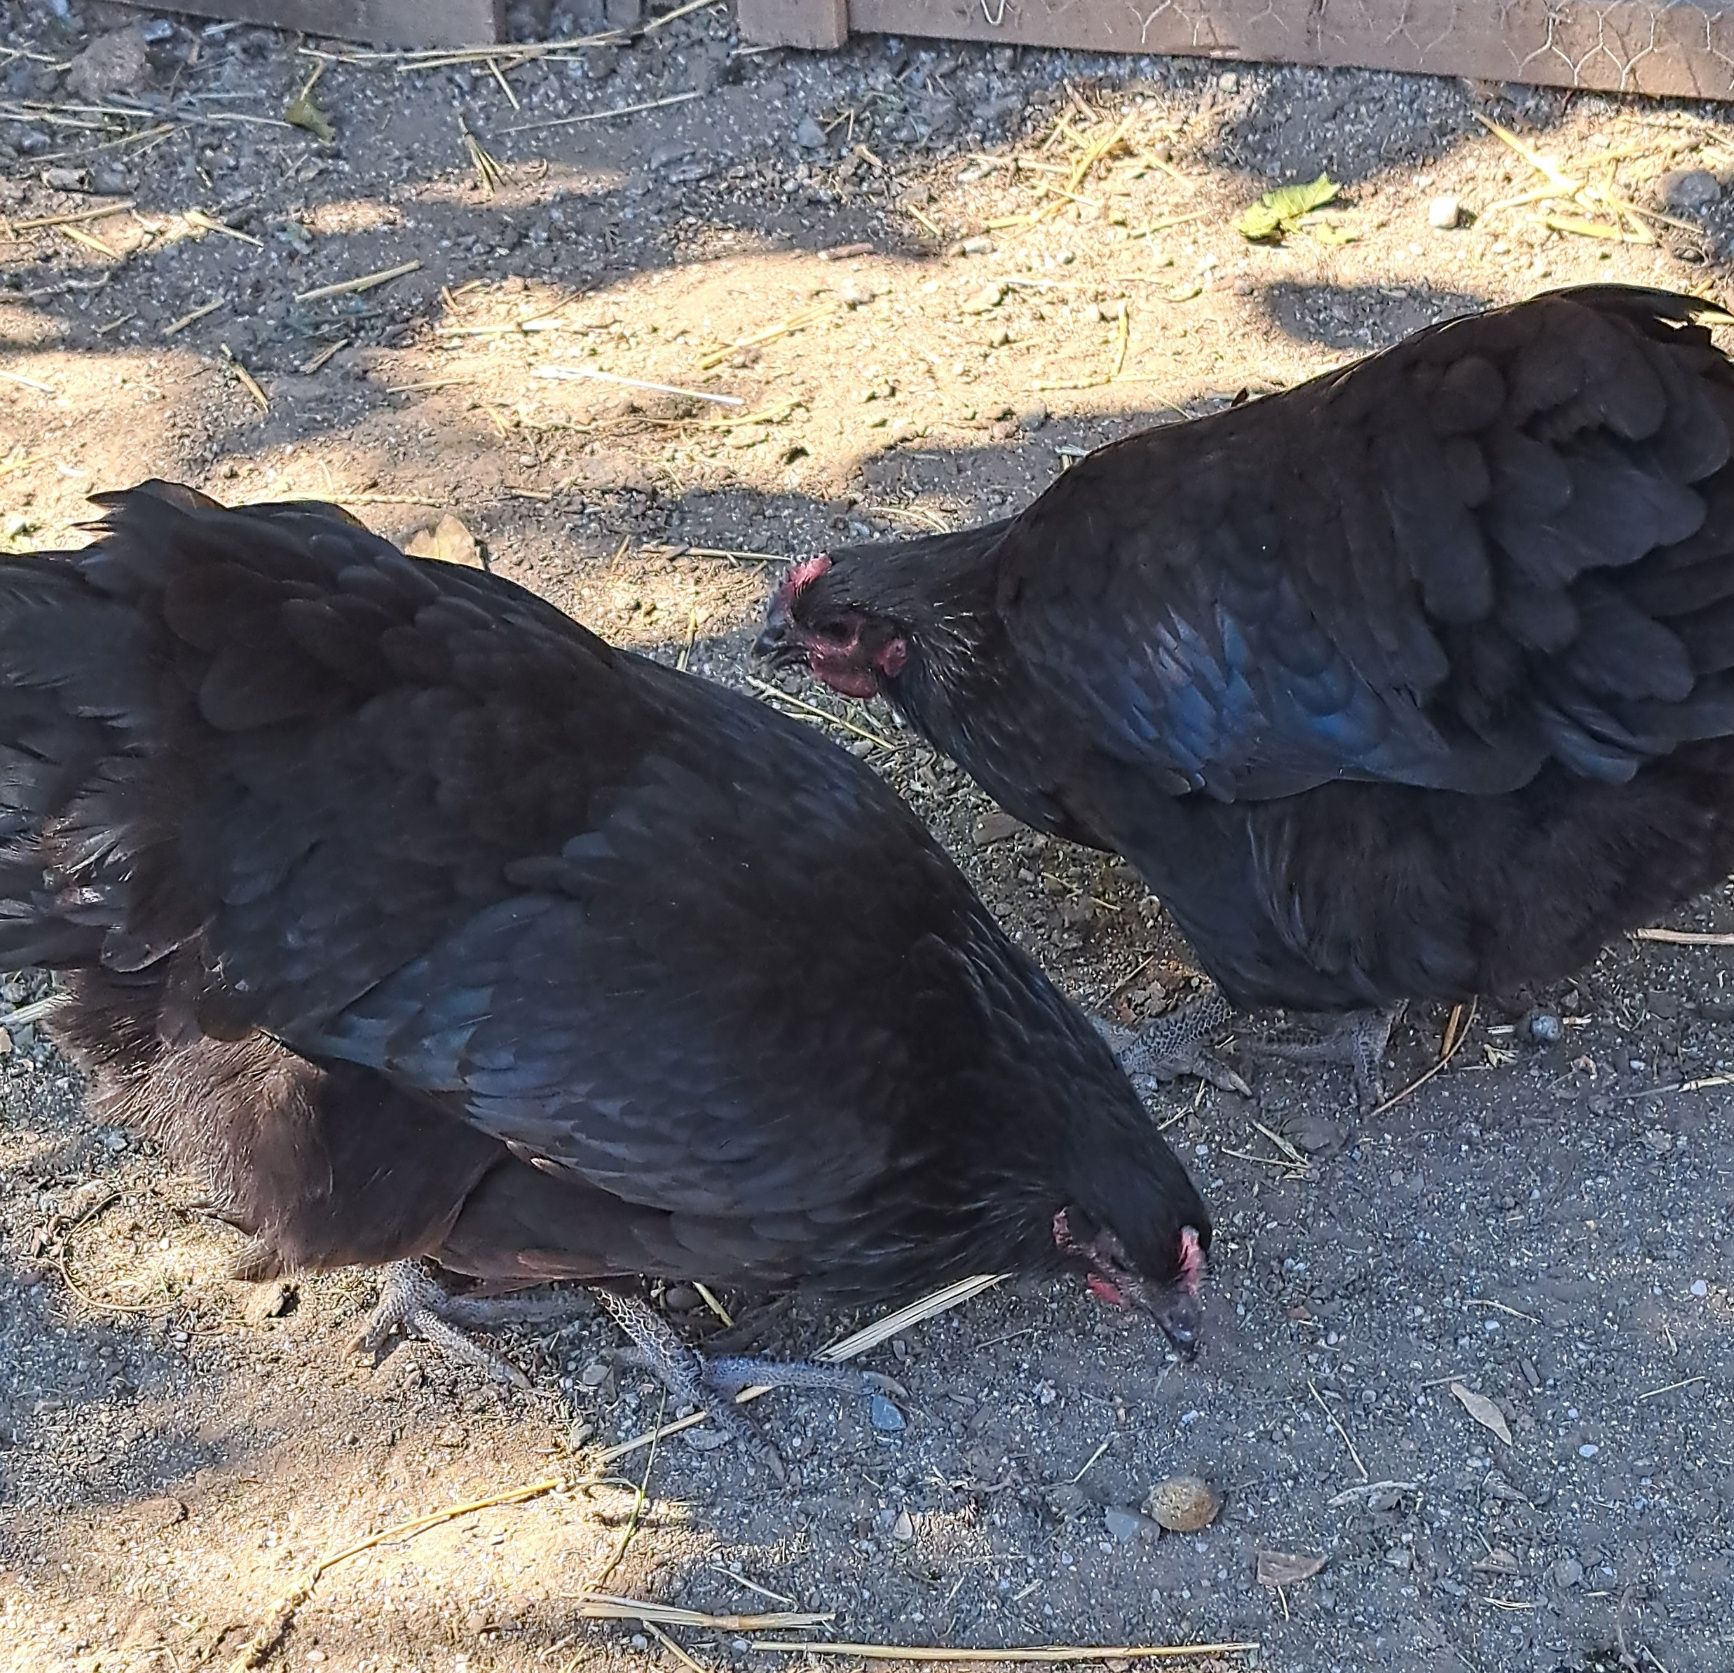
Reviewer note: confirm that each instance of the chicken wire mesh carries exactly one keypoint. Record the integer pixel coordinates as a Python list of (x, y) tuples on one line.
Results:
[(1681, 47)]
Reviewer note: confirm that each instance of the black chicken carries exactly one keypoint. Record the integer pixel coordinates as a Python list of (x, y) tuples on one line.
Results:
[(425, 924), (1412, 682)]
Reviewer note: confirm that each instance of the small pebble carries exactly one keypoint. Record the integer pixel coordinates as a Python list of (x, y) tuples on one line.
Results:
[(1126, 1525), (1444, 213), (1544, 1027), (1588, 1450), (884, 1415), (903, 1529), (1700, 1288), (1183, 1504), (1690, 188), (809, 135), (1567, 1572)]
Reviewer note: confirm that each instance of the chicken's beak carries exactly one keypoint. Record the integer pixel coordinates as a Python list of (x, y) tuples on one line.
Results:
[(1181, 1317), (775, 644)]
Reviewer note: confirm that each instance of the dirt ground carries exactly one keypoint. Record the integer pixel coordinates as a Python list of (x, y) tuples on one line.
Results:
[(912, 281)]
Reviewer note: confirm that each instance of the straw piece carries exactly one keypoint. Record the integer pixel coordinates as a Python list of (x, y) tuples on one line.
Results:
[(584, 373), (202, 222), (175, 327), (247, 381), (605, 115), (604, 1606), (71, 217), (352, 287), (1049, 1653), (1685, 937)]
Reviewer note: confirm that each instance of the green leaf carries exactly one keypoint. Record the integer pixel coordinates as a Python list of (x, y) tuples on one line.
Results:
[(305, 114), (1277, 212)]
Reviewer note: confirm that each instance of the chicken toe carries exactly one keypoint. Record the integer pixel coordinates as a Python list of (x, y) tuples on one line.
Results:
[(1178, 1043), (712, 1384), (1357, 1039), (411, 1302)]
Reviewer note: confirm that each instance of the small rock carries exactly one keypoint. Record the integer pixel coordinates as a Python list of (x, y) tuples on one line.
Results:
[(1315, 1133), (903, 1529), (1690, 188), (1066, 1499), (106, 180), (985, 300), (682, 1298), (977, 246), (809, 135), (995, 826), (1229, 82), (1566, 1573), (1588, 1450), (600, 62), (113, 63), (595, 1374), (65, 179), (1700, 1288), (1126, 1525), (30, 142), (1183, 1504), (853, 294), (1033, 418), (1445, 213), (1544, 1027), (268, 1301), (884, 1415), (669, 153)]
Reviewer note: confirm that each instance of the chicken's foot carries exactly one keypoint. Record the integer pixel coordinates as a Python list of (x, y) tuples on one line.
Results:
[(411, 1301), (1356, 1039), (711, 1384), (1178, 1043)]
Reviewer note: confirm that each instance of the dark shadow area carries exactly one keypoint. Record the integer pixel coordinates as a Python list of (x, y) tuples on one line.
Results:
[(1283, 123), (1356, 319)]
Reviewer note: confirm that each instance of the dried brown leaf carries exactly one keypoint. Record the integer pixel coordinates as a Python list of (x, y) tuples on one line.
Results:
[(1286, 1568), (1483, 1410), (448, 541)]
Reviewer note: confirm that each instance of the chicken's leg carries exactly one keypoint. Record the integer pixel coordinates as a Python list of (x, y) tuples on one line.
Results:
[(1356, 1039), (412, 1302), (1178, 1043), (712, 1384)]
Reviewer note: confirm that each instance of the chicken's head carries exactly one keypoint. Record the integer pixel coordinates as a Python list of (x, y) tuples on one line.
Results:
[(1164, 1282), (814, 621)]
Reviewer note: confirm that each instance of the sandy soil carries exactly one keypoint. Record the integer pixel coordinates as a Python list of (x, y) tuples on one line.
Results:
[(1545, 1222)]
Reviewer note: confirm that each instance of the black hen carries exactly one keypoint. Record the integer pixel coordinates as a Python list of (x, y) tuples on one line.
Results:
[(1410, 682), (424, 923)]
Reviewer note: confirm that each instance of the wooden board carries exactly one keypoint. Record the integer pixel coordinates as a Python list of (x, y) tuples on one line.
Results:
[(1667, 47), (818, 25), (405, 23)]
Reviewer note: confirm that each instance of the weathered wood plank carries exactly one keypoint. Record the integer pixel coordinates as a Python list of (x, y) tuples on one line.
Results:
[(405, 23), (1679, 48), (819, 25)]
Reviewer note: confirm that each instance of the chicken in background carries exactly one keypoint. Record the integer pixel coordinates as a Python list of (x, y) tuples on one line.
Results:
[(1410, 683), (421, 923)]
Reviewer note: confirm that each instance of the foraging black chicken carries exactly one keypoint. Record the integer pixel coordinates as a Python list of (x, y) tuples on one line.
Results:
[(1412, 682), (425, 924)]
